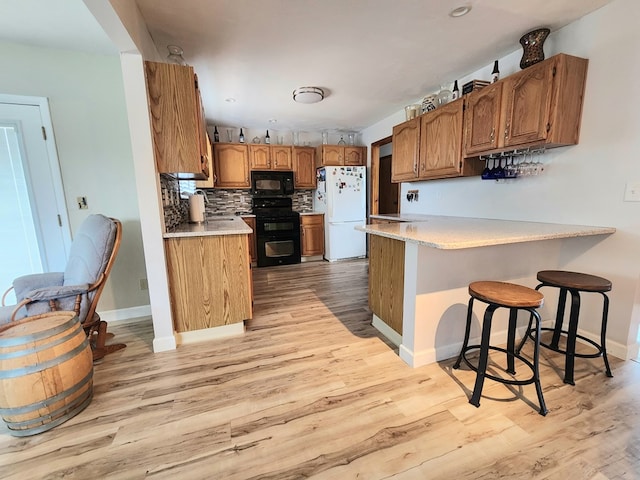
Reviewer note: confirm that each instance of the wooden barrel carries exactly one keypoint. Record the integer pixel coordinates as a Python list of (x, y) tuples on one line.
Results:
[(46, 372)]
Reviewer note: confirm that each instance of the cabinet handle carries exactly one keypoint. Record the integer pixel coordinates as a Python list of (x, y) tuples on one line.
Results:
[(493, 134), (506, 131)]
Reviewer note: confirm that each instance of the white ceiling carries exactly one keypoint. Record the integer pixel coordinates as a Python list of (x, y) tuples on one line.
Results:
[(371, 57)]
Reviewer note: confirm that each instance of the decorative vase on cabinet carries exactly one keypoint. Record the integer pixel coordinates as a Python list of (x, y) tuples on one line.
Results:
[(532, 44)]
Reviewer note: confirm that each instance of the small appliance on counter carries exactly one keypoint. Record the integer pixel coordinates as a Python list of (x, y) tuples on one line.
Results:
[(341, 196), (196, 207)]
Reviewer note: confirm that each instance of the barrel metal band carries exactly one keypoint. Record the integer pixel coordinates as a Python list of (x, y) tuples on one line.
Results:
[(48, 401), (15, 341), (19, 372), (44, 346), (50, 425)]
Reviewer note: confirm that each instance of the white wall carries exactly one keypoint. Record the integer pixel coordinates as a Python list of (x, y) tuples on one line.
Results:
[(90, 124), (583, 184)]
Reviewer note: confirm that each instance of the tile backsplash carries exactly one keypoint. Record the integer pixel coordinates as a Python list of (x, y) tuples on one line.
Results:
[(218, 201)]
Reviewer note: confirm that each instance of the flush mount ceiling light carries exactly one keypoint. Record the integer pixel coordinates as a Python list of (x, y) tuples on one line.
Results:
[(460, 11), (308, 95)]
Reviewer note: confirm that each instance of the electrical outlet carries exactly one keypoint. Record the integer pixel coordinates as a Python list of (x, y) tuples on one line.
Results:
[(632, 192), (412, 195), (144, 284), (82, 203)]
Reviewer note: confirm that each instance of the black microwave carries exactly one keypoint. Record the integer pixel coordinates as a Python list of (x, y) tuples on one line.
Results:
[(271, 184)]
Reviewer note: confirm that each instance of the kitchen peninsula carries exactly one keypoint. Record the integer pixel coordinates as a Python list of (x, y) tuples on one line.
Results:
[(419, 271), (209, 271)]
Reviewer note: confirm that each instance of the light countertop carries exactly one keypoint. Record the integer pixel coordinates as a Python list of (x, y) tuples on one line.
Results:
[(310, 213), (222, 225), (461, 232)]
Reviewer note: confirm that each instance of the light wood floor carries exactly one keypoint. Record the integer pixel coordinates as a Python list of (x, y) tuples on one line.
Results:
[(312, 390)]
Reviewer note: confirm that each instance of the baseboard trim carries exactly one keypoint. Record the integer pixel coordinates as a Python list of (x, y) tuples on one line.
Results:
[(389, 333), (124, 314), (214, 333)]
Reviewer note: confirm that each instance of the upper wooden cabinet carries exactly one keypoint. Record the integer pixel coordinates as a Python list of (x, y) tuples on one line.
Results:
[(430, 146), (211, 181), (336, 155), (441, 142), (405, 149), (231, 164), (270, 157), (177, 120), (539, 106), (304, 168)]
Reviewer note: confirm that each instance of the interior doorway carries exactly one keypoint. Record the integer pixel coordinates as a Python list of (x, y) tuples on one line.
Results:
[(385, 195), (34, 234)]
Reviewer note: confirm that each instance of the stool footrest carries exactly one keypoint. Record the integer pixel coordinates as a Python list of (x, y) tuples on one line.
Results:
[(531, 334), (507, 381)]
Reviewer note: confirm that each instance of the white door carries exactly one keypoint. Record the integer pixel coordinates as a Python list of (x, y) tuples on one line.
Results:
[(34, 232)]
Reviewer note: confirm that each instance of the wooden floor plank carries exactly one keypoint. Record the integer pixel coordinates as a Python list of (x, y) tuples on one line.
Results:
[(312, 390)]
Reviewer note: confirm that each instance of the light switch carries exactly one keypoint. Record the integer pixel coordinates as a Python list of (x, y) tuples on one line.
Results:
[(632, 192)]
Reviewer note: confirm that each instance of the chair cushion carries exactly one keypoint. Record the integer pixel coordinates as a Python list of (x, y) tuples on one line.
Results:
[(27, 283)]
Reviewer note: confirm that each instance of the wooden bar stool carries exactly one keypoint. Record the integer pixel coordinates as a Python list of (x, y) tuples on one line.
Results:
[(514, 297), (574, 283)]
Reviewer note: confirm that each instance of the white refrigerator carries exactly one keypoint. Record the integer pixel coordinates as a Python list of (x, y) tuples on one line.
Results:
[(341, 195)]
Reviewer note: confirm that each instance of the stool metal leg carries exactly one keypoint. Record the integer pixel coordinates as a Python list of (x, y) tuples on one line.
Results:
[(527, 332), (467, 332), (603, 334), (484, 355), (571, 337), (536, 357), (557, 331), (511, 341)]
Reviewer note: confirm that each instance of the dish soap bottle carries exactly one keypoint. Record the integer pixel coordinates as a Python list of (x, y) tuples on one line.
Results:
[(241, 137)]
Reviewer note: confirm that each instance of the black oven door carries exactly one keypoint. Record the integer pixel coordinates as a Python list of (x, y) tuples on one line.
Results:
[(278, 241)]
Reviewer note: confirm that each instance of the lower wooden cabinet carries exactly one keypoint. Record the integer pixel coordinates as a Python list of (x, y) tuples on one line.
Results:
[(312, 235), (209, 281), (253, 252)]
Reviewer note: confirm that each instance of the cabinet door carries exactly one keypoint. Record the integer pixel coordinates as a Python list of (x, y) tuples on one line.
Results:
[(251, 221), (527, 100), (231, 163), (280, 157), (203, 136), (441, 141), (312, 235), (482, 119), (174, 119), (260, 157), (304, 169), (332, 155), (354, 156), (405, 148), (211, 181)]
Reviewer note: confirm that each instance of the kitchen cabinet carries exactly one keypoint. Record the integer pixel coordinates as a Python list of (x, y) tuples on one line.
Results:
[(304, 168), (211, 181), (336, 155), (312, 235), (209, 281), (251, 221), (231, 165), (270, 157), (430, 146), (540, 106), (177, 121)]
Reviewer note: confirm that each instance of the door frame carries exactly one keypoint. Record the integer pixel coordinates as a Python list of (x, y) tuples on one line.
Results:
[(375, 175), (52, 157)]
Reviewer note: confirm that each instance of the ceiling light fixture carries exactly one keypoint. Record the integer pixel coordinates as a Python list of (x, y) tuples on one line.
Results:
[(308, 95), (460, 11)]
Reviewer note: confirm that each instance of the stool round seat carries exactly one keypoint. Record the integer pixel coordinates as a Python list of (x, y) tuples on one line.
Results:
[(506, 294), (574, 280)]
